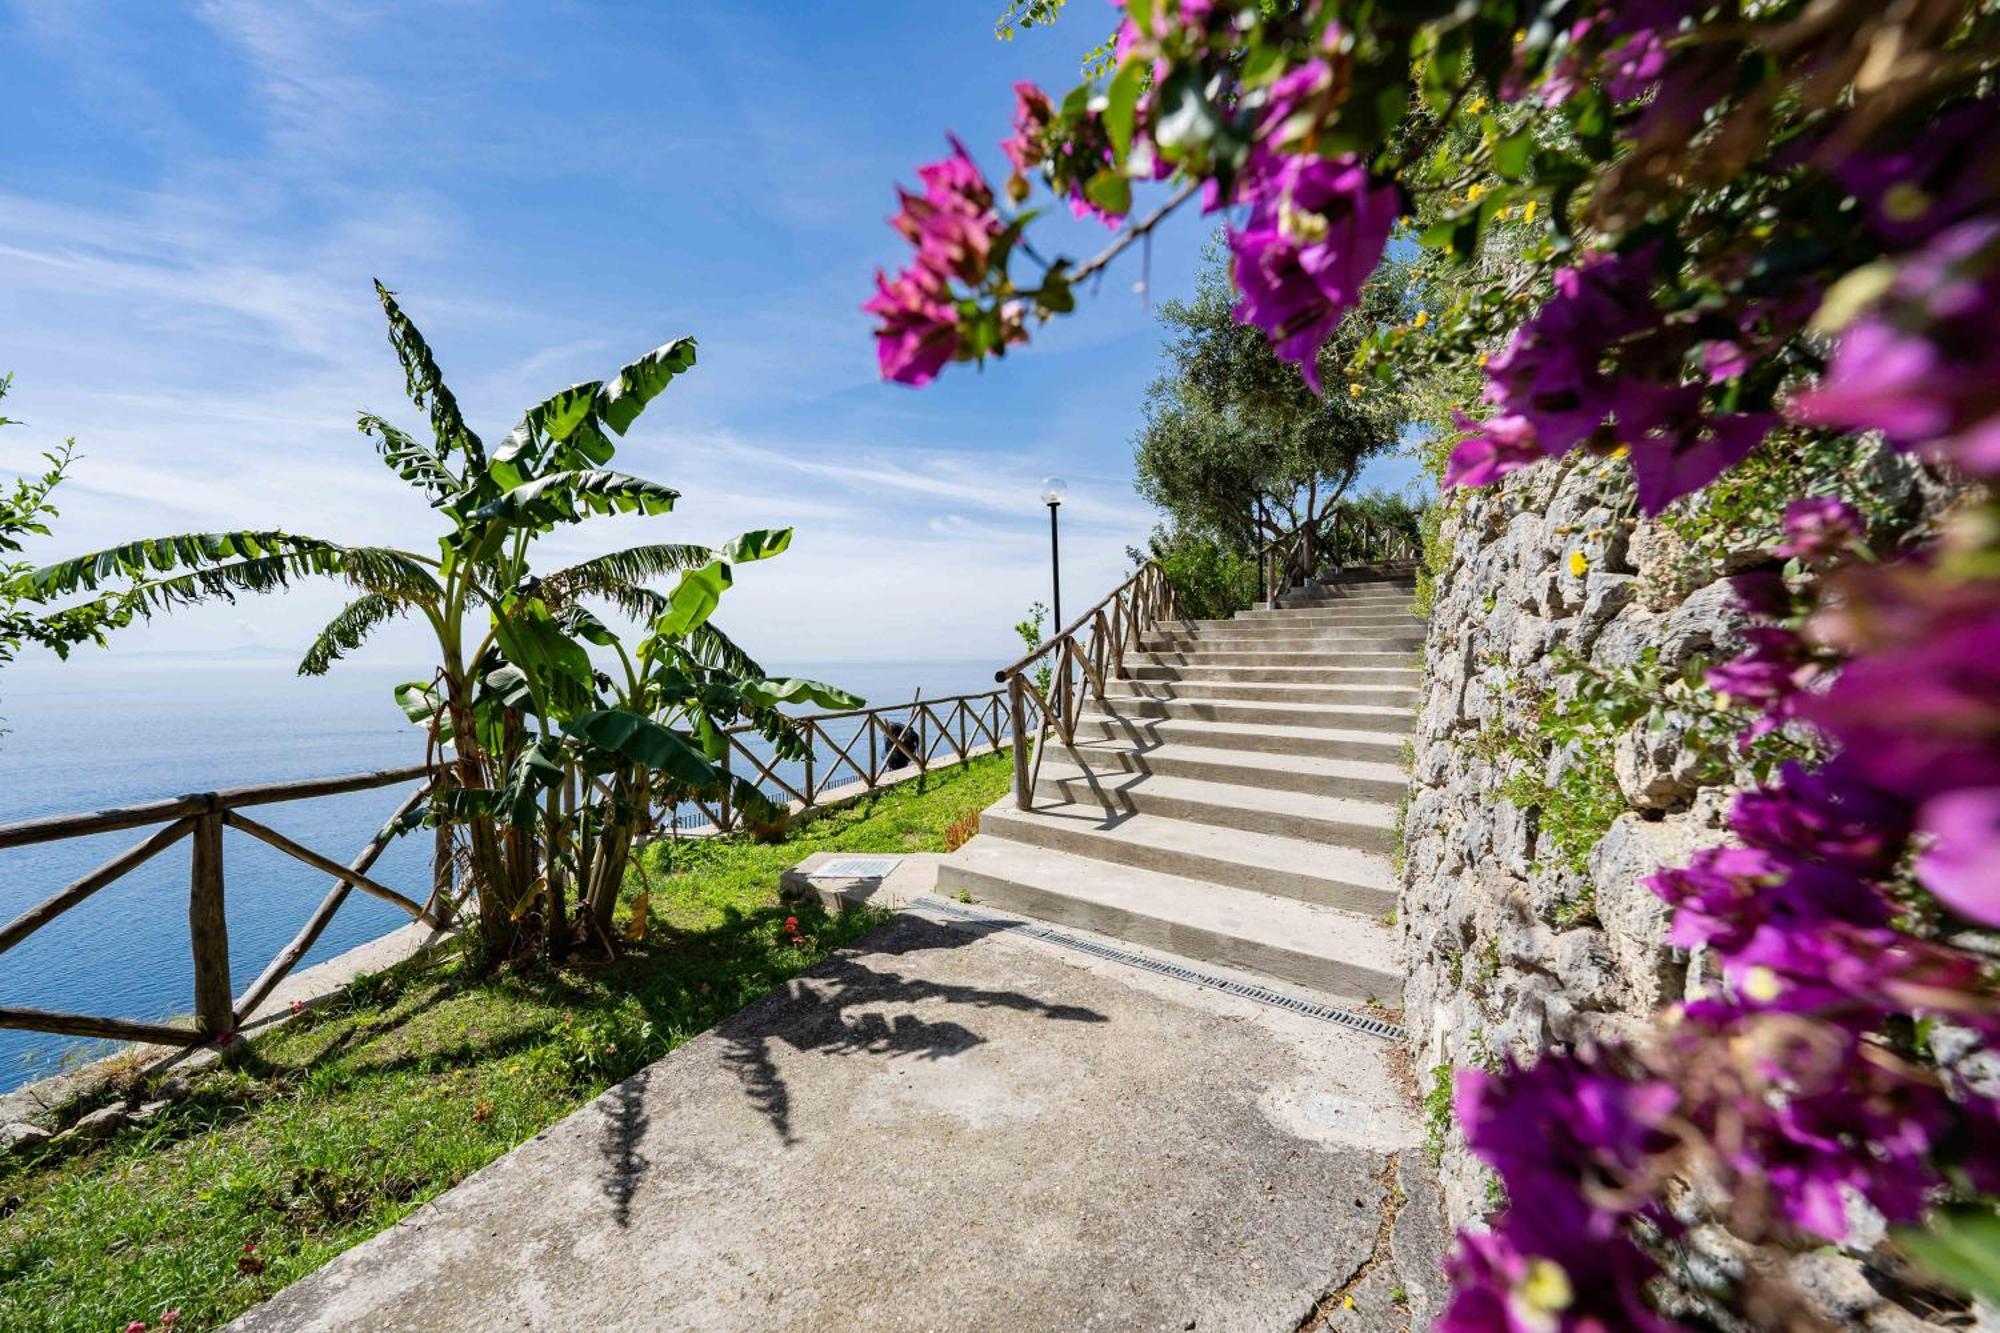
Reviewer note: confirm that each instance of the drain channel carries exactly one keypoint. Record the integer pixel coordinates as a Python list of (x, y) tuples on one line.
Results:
[(1326, 1013)]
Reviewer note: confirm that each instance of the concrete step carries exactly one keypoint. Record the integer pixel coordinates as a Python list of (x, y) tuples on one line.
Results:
[(1349, 594), (1363, 656), (1397, 615), (1333, 821), (1285, 640), (1332, 952), (1355, 717), (1405, 677), (1324, 742), (1391, 696), (1356, 779), (1341, 877)]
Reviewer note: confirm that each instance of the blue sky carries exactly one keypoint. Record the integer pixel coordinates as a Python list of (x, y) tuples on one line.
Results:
[(198, 195)]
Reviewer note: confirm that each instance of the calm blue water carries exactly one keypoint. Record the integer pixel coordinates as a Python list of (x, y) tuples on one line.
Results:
[(90, 736)]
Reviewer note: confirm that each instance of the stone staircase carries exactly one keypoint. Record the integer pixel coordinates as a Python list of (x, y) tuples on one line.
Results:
[(1233, 798)]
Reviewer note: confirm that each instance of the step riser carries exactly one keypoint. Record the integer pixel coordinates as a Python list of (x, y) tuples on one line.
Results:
[(1390, 619), (1224, 657), (1289, 643), (1204, 710), (1401, 679), (1386, 751), (1207, 946), (1331, 832), (1015, 826), (1382, 696), (1244, 775), (1356, 595)]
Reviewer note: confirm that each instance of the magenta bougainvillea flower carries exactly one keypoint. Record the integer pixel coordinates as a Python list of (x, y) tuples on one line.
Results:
[(1924, 367), (1315, 233), (1490, 450), (1946, 172), (917, 325), (952, 225), (1820, 529), (1961, 864)]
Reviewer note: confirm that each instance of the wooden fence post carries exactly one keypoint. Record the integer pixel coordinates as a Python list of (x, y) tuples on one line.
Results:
[(1017, 706), (442, 858), (208, 930)]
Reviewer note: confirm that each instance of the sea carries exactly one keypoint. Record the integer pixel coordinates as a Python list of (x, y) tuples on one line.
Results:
[(89, 736)]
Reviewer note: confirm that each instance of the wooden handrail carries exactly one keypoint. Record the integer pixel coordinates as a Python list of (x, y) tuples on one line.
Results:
[(53, 827), (202, 816), (1015, 668)]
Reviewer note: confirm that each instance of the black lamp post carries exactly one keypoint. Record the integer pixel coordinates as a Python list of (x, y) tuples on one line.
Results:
[(1053, 491)]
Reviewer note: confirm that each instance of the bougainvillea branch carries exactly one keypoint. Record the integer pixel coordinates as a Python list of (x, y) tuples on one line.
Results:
[(1726, 226)]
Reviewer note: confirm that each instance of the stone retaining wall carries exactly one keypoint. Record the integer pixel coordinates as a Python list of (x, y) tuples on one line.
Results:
[(1513, 945)]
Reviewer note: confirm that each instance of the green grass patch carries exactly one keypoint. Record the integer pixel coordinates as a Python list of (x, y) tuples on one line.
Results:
[(334, 1127)]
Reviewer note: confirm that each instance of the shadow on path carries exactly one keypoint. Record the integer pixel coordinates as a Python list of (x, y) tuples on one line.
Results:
[(813, 1012)]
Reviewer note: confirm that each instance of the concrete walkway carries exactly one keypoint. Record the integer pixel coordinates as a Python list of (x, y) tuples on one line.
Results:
[(954, 1125)]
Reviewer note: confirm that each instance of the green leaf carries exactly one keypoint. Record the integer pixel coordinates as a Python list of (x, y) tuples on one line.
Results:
[(693, 600), (643, 741), (425, 383), (566, 497), (410, 460), (759, 544), (422, 702), (1960, 1245), (1512, 154), (1110, 191), (1121, 106), (620, 402), (793, 690), (538, 769), (560, 414), (348, 630)]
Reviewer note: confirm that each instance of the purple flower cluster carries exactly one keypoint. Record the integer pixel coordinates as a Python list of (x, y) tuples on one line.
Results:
[(953, 226), (1315, 233), (1786, 1096), (1569, 1137), (1068, 159), (1552, 391), (1923, 366), (1917, 714)]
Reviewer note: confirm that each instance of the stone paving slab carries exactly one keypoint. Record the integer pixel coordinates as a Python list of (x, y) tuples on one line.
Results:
[(948, 1126)]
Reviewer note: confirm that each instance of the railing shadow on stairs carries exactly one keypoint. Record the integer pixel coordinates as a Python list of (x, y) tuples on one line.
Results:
[(1082, 655)]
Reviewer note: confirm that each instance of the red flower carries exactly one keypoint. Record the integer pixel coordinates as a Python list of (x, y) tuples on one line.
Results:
[(791, 925)]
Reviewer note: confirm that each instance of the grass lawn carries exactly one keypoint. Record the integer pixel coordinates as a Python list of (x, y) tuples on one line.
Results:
[(332, 1128)]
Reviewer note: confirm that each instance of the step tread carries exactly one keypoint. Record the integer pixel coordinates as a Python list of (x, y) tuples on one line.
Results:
[(1260, 918), (1267, 691), (1305, 712), (1268, 851), (1196, 726), (1333, 809), (1369, 770)]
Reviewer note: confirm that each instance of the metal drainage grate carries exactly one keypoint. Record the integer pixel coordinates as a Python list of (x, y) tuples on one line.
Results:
[(856, 867), (1326, 1013)]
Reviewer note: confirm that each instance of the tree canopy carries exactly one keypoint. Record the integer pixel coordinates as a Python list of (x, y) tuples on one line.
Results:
[(1234, 442)]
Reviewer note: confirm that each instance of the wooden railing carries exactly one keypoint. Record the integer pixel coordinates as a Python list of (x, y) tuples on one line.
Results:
[(1082, 655), (1344, 537), (886, 739), (1080, 658), (201, 818), (920, 735)]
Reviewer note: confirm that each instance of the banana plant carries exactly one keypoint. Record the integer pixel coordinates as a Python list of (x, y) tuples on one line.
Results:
[(519, 718)]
